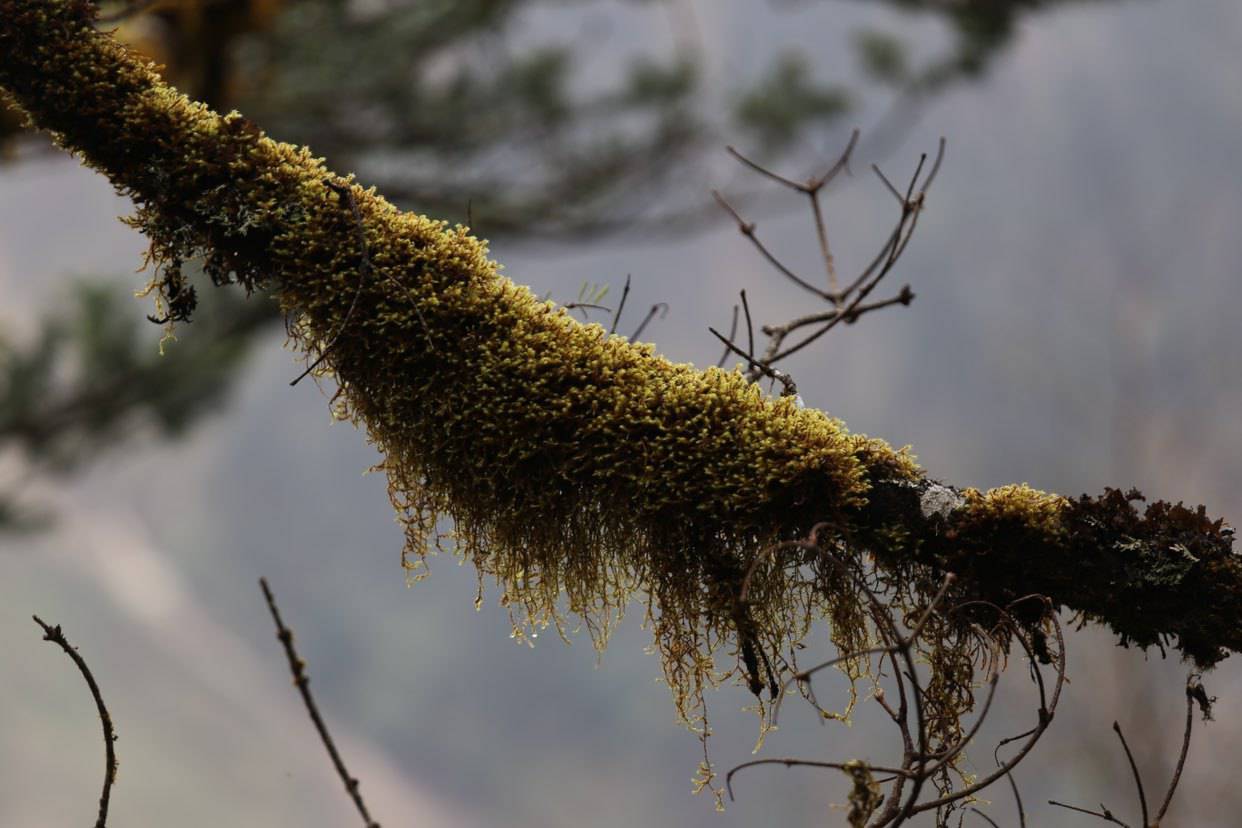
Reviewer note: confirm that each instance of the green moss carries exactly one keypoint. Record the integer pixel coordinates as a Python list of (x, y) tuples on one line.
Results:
[(1033, 510), (576, 468)]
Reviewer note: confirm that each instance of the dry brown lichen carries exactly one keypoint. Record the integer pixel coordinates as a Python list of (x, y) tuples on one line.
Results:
[(578, 468)]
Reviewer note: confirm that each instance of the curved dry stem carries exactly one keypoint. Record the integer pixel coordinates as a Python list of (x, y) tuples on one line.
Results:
[(57, 637), (302, 681)]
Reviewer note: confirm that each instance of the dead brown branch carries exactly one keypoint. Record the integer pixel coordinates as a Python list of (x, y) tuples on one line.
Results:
[(298, 668), (57, 637), (1195, 693), (846, 304)]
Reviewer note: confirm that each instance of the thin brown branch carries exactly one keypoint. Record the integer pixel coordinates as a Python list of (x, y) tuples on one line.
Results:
[(616, 317), (57, 637), (1017, 799), (790, 387), (724, 357), (747, 229), (842, 163), (750, 327), (821, 231), (778, 333), (660, 308), (1192, 683), (791, 762), (917, 629), (764, 171), (586, 306), (1103, 813), (985, 817), (298, 668), (896, 193), (1138, 777)]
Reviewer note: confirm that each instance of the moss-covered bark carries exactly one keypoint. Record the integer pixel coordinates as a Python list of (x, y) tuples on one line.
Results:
[(579, 467)]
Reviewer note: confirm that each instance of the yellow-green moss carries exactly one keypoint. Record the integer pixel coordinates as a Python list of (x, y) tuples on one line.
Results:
[(576, 467), (1018, 504)]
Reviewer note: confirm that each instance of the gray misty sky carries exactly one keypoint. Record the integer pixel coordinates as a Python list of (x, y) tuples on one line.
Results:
[(1075, 327)]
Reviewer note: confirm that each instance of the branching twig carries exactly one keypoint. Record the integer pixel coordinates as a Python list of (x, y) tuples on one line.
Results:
[(298, 668), (847, 304), (57, 637)]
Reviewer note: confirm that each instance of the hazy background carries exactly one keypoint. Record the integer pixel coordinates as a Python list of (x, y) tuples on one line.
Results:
[(1075, 327)]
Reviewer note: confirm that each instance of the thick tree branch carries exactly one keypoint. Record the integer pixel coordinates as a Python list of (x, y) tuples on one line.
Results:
[(578, 466)]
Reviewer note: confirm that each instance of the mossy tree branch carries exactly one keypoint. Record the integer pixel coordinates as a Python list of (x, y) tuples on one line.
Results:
[(578, 466)]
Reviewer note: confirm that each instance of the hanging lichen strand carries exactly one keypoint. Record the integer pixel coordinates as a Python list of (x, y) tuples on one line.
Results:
[(578, 467)]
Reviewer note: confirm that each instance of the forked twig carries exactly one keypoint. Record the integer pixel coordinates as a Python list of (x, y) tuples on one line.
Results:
[(57, 637), (846, 304), (298, 668)]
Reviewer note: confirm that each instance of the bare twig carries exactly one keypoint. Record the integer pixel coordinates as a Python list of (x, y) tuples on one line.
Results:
[(847, 304), (298, 668), (1192, 684), (660, 308), (1138, 777), (985, 817), (57, 637), (724, 357), (791, 762), (1017, 800), (750, 326), (1103, 813), (586, 306), (616, 317), (790, 387), (747, 229), (1194, 693)]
